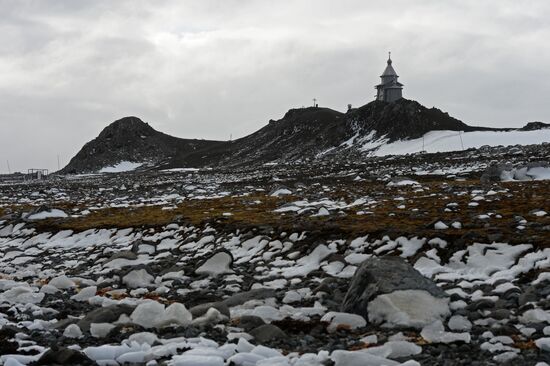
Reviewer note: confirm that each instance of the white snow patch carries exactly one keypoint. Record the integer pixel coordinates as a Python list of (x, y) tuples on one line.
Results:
[(281, 192), (151, 314), (435, 333), (441, 141), (309, 263), (219, 263), (123, 166), (51, 214), (343, 320), (409, 308)]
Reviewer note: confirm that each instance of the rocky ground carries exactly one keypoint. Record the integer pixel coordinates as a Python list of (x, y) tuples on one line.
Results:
[(410, 260)]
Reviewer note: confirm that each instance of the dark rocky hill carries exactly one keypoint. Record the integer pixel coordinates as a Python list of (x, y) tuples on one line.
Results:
[(402, 120), (302, 134), (131, 139), (306, 133), (535, 126)]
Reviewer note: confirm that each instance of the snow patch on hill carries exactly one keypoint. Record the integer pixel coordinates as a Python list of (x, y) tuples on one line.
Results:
[(123, 166), (441, 141)]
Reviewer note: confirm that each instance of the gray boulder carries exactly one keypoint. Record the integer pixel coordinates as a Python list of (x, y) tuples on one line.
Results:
[(200, 310), (249, 322), (525, 172), (267, 332), (256, 294), (494, 172), (219, 263), (108, 314), (64, 356), (389, 290)]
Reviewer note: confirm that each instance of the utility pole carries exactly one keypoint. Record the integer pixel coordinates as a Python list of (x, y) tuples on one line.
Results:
[(58, 165), (9, 169)]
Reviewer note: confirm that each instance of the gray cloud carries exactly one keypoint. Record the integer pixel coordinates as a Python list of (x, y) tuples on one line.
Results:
[(208, 69)]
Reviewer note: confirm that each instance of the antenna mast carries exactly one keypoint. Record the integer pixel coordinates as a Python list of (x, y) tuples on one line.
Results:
[(9, 169)]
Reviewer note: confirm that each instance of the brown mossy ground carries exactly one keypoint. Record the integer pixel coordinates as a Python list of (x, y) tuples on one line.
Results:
[(422, 209)]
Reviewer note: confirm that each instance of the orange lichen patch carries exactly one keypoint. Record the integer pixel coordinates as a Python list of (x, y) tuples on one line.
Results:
[(103, 291), (155, 296), (418, 340), (523, 345), (345, 327), (42, 281), (359, 346), (118, 296)]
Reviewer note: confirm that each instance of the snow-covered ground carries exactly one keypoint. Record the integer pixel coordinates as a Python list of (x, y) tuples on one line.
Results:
[(123, 166), (252, 267), (441, 141)]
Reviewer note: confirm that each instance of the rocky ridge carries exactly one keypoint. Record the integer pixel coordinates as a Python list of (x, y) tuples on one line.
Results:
[(301, 135), (131, 139)]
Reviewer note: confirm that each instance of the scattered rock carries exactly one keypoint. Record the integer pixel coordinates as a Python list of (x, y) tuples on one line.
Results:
[(267, 333), (249, 322), (343, 321), (64, 356), (216, 265), (138, 278), (108, 314), (200, 310), (389, 290)]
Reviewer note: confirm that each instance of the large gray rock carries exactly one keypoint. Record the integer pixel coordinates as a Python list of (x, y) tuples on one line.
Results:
[(256, 294), (267, 333), (219, 263), (108, 314), (507, 172), (63, 356), (389, 290), (249, 322), (200, 310), (494, 172)]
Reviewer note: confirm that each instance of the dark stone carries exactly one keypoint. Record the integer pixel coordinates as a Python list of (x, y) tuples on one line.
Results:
[(125, 254), (267, 332), (249, 322), (500, 314), (529, 295), (257, 294), (480, 305), (200, 310), (6, 345), (106, 314), (493, 173), (327, 285), (64, 356), (377, 276)]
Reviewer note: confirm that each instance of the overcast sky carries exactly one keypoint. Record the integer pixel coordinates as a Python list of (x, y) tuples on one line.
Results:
[(209, 69)]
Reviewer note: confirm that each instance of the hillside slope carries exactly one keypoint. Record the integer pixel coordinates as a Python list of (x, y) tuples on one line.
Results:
[(131, 140), (303, 134)]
